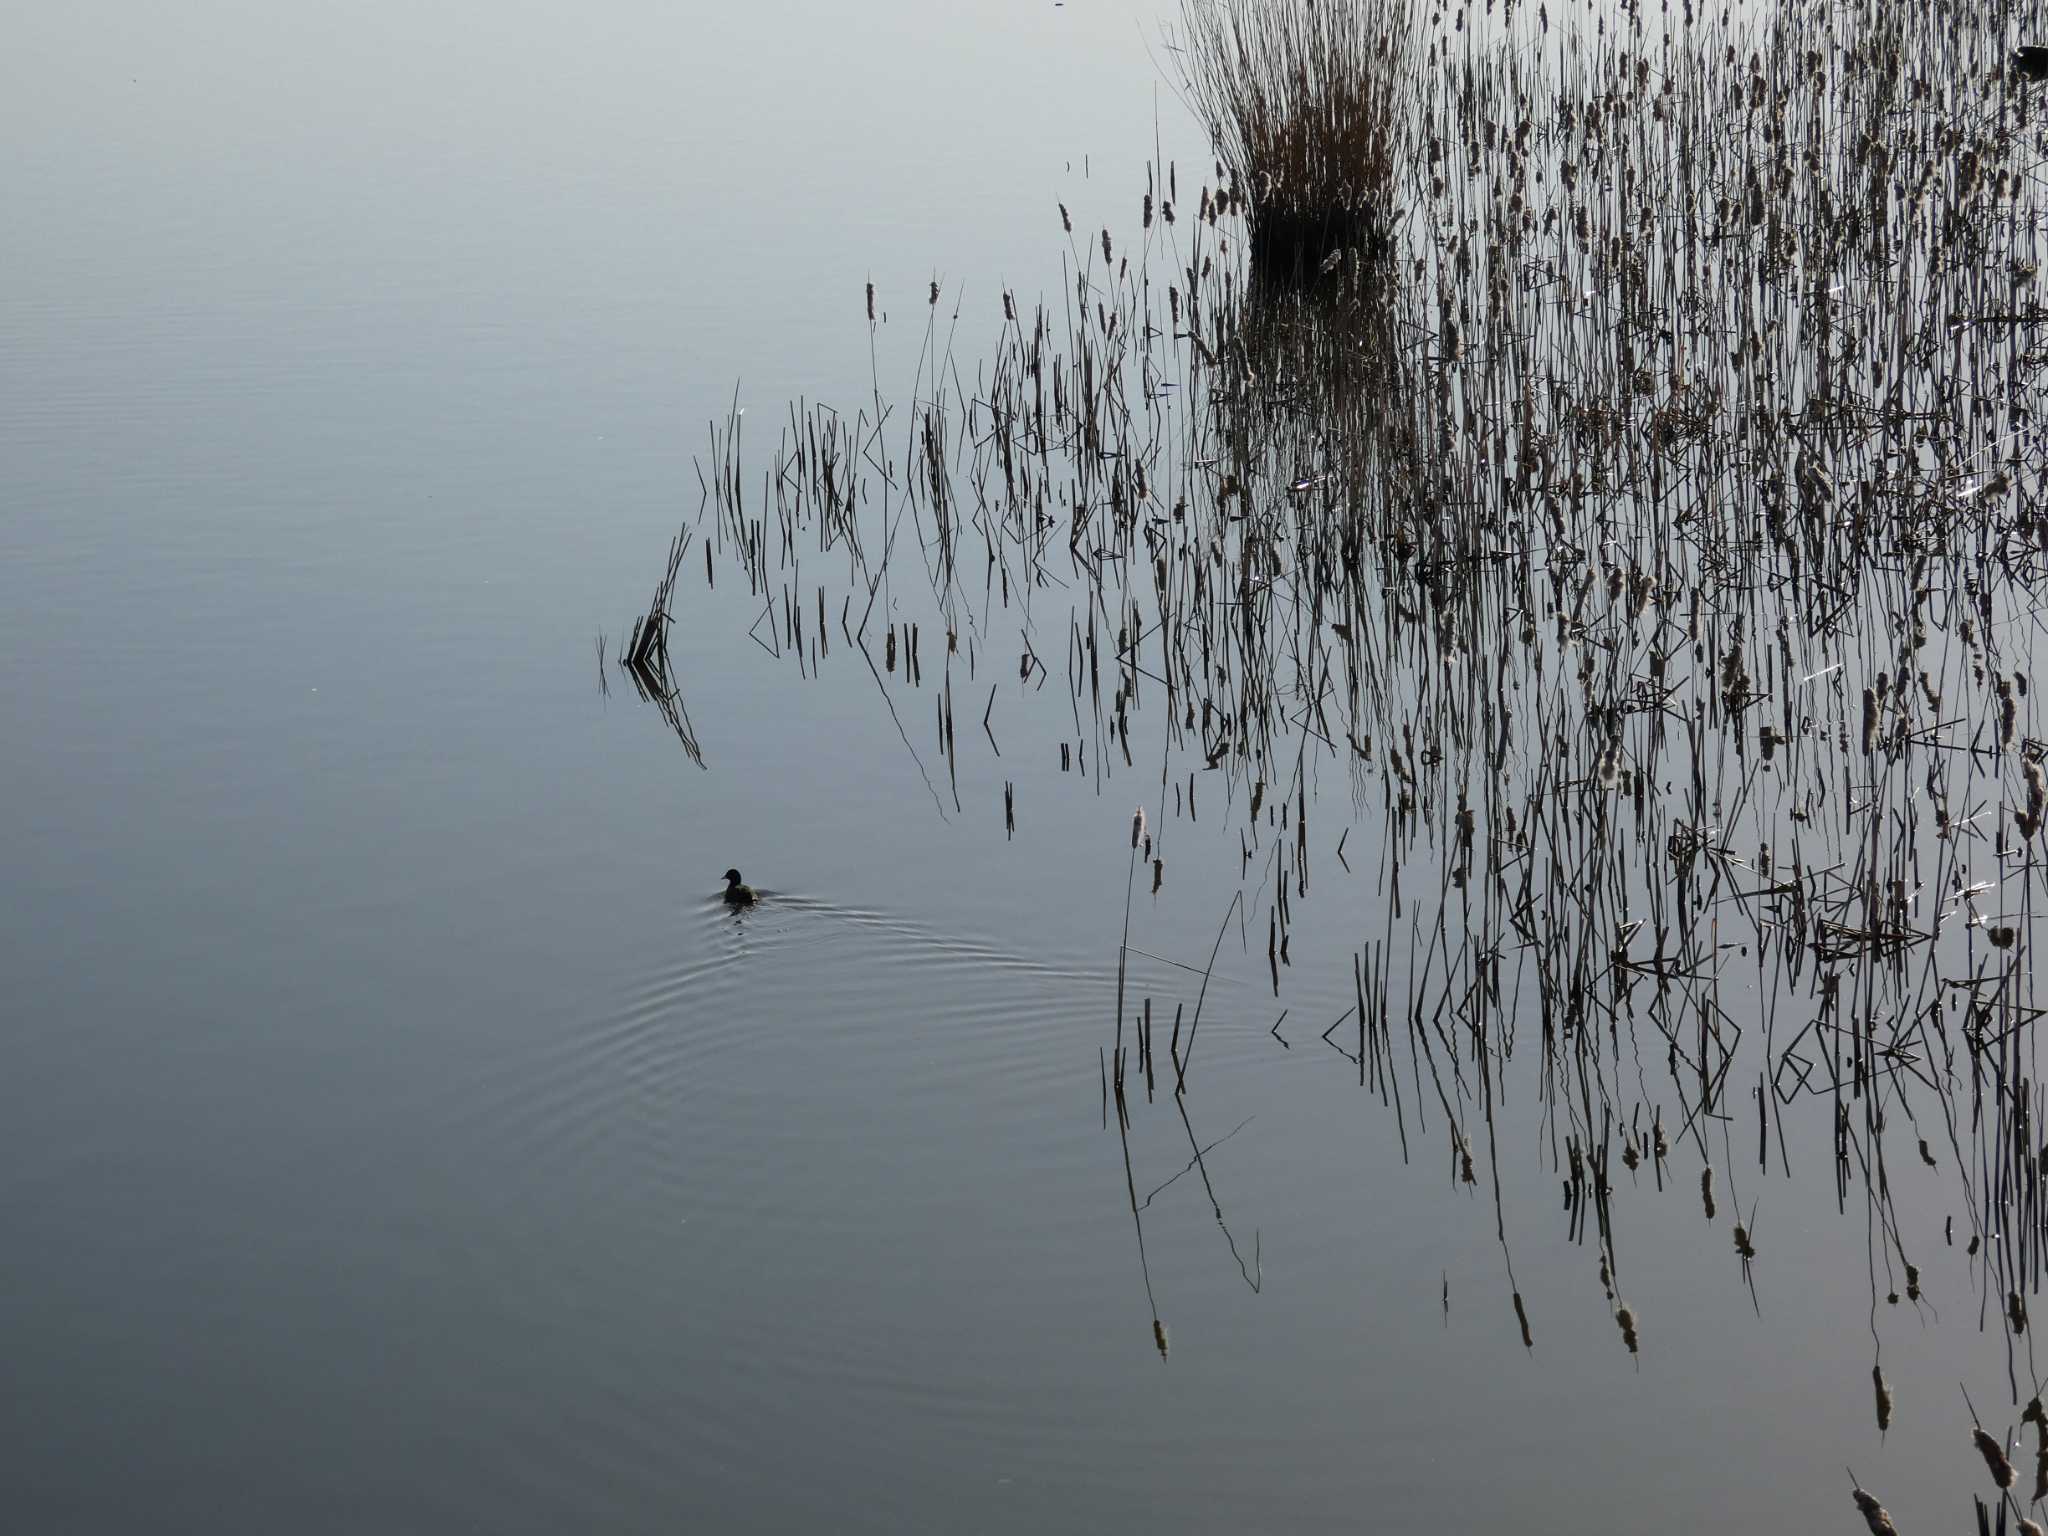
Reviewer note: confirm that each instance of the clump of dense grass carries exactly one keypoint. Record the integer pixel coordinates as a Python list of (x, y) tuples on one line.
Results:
[(1303, 101)]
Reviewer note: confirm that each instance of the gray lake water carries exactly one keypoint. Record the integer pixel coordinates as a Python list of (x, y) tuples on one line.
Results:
[(398, 1133)]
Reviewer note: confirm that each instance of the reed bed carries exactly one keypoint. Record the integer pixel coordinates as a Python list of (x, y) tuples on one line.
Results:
[(1643, 563)]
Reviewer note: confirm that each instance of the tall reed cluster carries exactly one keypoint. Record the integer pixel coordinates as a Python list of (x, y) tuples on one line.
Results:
[(1303, 100)]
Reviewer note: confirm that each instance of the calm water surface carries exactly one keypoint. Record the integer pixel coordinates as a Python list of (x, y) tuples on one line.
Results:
[(398, 1134)]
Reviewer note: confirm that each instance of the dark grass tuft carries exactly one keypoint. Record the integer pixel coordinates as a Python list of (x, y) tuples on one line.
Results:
[(1304, 104)]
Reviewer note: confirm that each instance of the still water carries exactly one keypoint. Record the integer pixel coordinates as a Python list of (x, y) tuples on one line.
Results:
[(398, 1133)]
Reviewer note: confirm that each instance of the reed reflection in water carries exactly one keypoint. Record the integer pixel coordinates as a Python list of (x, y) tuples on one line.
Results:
[(1614, 584)]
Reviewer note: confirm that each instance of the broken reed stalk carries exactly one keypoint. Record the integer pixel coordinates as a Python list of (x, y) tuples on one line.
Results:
[(647, 648), (1181, 1072)]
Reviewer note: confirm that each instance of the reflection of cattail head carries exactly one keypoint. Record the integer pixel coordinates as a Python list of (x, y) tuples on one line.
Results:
[(1874, 1515), (1884, 1398), (1159, 1336), (1627, 1318), (1994, 1457)]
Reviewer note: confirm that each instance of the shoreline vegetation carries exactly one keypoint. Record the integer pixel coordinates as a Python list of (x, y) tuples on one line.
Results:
[(1598, 478)]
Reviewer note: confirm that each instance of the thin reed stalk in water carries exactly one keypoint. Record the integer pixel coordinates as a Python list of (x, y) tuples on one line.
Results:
[(1123, 948)]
